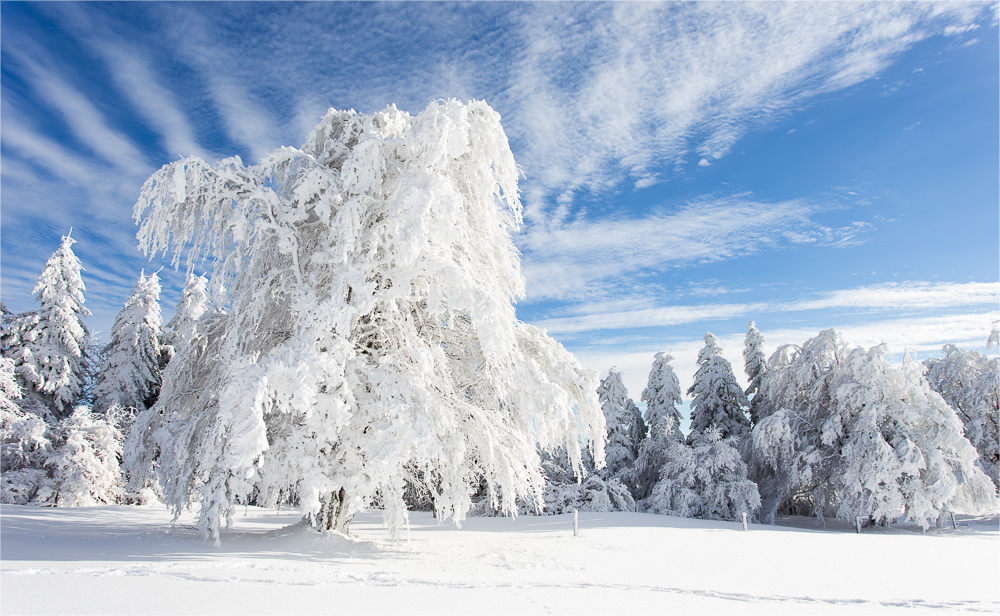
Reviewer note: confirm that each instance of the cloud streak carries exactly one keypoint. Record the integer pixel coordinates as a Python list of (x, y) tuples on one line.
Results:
[(909, 296)]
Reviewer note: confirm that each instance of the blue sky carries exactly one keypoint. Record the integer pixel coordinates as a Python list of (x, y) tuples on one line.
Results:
[(688, 167)]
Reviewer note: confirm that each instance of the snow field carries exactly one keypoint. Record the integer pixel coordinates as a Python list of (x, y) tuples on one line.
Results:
[(119, 559)]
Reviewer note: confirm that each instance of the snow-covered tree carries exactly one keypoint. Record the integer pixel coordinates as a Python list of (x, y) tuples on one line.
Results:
[(706, 479), (24, 442), (130, 373), (84, 468), (970, 383), (662, 395), (718, 399), (755, 364), (854, 436), (194, 302), (619, 415), (566, 491), (48, 346), (370, 339)]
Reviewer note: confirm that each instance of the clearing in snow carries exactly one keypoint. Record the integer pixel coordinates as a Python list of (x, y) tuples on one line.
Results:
[(120, 559)]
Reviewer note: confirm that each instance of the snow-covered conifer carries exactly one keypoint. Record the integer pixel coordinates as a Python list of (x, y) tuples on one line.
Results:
[(755, 364), (706, 479), (718, 399), (84, 468), (662, 395), (854, 436), (48, 346), (24, 442), (619, 416), (130, 373), (370, 339), (970, 384), (194, 302)]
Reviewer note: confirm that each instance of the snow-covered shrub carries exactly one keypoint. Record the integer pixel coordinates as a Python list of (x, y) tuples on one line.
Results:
[(48, 346), (24, 442), (129, 376), (970, 384), (717, 399), (706, 479), (662, 395), (370, 336), (854, 436), (84, 468)]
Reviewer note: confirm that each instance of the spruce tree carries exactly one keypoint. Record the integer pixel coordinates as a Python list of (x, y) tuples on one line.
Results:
[(619, 415), (194, 302), (662, 395), (48, 346), (130, 373), (755, 364), (718, 399)]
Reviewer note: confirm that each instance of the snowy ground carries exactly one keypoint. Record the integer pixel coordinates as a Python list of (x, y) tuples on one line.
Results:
[(131, 560)]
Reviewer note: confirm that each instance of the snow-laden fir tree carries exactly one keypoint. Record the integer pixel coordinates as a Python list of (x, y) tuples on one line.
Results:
[(662, 395), (24, 442), (129, 376), (970, 383), (194, 302), (854, 436), (706, 479), (84, 468), (48, 346), (718, 400), (370, 339), (755, 364), (619, 415)]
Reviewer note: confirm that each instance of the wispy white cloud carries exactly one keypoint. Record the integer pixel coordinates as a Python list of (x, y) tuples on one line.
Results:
[(573, 259), (908, 296), (82, 117), (603, 91)]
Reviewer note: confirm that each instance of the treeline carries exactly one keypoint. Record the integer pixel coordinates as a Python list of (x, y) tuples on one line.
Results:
[(68, 405), (823, 429)]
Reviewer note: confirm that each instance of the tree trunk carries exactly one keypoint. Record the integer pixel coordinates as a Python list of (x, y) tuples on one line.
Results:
[(333, 513)]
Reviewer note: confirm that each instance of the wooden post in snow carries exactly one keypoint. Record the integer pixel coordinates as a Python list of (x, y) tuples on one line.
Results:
[(576, 523), (954, 522), (745, 527), (857, 522)]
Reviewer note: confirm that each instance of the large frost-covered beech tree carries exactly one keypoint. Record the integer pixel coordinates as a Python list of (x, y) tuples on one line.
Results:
[(48, 346), (718, 399), (662, 395), (129, 376), (970, 383), (370, 339), (854, 436)]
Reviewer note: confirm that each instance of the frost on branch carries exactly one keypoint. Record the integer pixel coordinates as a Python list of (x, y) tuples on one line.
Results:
[(370, 341)]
